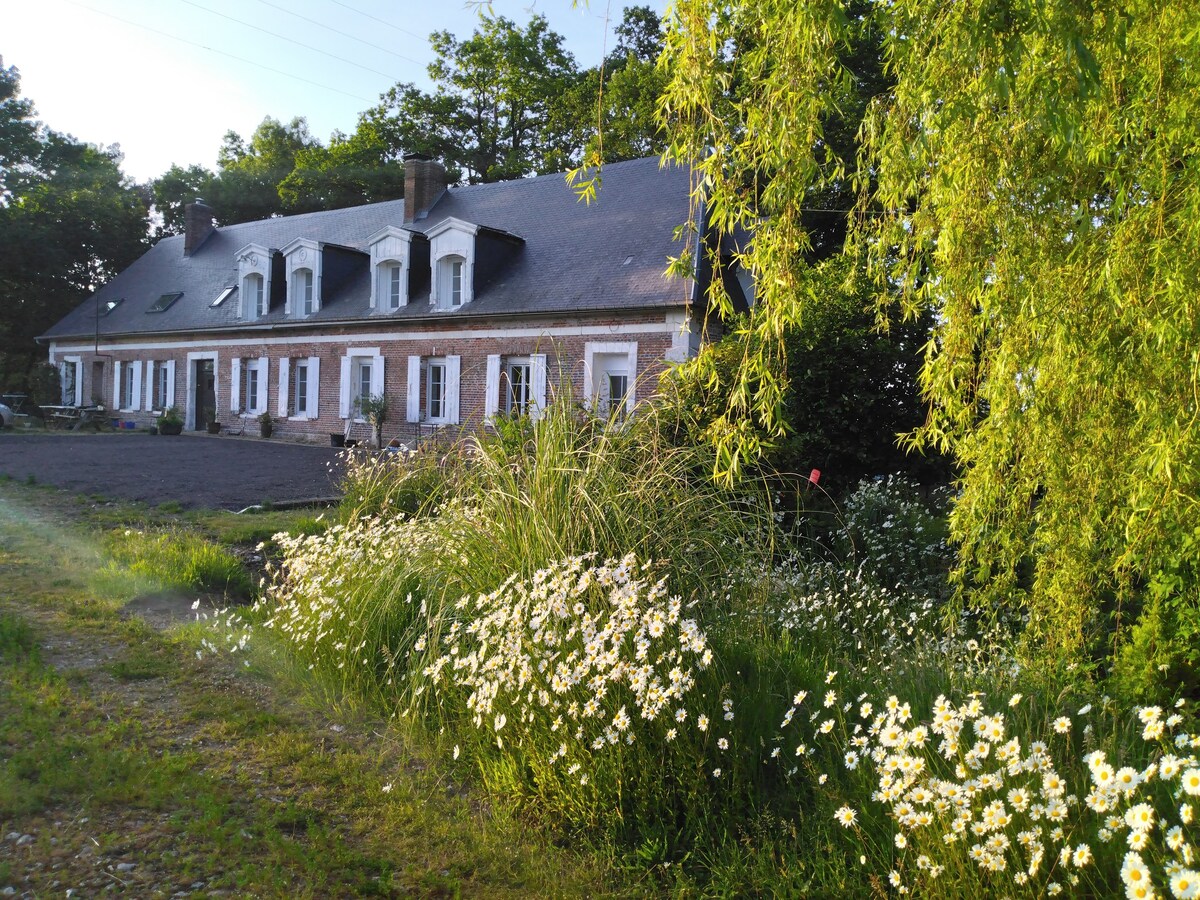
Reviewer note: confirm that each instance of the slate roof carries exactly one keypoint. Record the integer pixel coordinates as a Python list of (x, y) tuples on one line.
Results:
[(607, 256)]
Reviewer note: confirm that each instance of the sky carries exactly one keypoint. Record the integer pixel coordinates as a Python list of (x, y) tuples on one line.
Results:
[(165, 79)]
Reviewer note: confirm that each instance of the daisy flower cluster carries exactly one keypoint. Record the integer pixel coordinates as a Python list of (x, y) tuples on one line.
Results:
[(323, 599), (581, 657), (1030, 816)]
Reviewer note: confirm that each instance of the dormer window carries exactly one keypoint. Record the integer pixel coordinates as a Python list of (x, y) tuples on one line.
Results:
[(452, 257), (303, 262), (254, 280), (450, 276), (391, 261), (302, 291)]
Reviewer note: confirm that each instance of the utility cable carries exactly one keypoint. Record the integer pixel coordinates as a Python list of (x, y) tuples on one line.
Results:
[(336, 31), (241, 59), (281, 37), (420, 37)]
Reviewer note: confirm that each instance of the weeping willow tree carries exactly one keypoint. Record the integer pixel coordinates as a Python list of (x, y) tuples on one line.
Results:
[(1030, 176)]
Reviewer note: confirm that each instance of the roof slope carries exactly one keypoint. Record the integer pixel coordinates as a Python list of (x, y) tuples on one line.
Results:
[(609, 255)]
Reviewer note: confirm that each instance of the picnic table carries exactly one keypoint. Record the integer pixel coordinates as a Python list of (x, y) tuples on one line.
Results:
[(75, 417)]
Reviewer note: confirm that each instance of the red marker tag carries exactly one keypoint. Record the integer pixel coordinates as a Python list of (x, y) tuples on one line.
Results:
[(814, 476)]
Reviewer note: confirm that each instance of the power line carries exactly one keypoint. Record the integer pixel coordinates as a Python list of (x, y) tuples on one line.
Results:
[(290, 40), (336, 31), (377, 19), (241, 59)]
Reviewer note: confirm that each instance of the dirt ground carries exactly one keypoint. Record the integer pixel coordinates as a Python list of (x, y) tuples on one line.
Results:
[(195, 471)]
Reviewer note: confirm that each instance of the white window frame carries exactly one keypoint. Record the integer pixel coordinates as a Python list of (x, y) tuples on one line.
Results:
[(75, 365), (602, 359), (352, 363), (244, 374), (420, 386), (436, 375), (525, 404), (127, 386), (289, 386), (303, 291)]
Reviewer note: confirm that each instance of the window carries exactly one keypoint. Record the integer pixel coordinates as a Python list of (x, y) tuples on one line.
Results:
[(108, 306), (223, 296), (256, 306), (163, 303), (362, 385), (612, 399), (69, 381), (436, 392), (300, 392), (127, 382), (302, 292), (520, 388), (162, 374), (450, 282), (610, 375), (390, 289), (251, 405)]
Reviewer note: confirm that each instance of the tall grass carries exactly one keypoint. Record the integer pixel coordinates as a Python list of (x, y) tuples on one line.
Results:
[(178, 559), (631, 653)]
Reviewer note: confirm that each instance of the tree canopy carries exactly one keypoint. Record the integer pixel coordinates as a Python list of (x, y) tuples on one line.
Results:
[(1029, 179), (68, 221)]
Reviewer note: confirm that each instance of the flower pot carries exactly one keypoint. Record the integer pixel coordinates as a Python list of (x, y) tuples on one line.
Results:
[(265, 430), (170, 428), (214, 427), (336, 439)]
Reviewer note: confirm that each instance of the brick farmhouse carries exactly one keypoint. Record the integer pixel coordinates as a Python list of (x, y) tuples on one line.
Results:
[(457, 304)]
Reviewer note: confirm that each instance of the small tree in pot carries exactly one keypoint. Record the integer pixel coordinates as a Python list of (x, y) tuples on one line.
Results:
[(266, 425), (171, 421), (374, 410)]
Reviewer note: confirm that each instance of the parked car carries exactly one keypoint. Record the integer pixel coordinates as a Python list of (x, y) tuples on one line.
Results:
[(6, 416)]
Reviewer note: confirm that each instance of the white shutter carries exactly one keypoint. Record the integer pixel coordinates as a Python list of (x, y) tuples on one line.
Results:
[(453, 367), (135, 402), (314, 385), (148, 395), (169, 399), (264, 370), (344, 393), (377, 377), (235, 387), (491, 397), (284, 371), (414, 389), (116, 397), (537, 371), (630, 399), (78, 382)]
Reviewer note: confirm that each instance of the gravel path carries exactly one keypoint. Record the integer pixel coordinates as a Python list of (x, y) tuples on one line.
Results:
[(194, 470)]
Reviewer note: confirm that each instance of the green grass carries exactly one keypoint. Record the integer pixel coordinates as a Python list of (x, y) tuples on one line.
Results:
[(250, 789)]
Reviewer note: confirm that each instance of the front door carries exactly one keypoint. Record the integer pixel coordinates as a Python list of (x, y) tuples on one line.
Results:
[(206, 392)]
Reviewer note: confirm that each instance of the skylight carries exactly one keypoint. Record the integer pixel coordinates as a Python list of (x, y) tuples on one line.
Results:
[(163, 302), (223, 296), (108, 306)]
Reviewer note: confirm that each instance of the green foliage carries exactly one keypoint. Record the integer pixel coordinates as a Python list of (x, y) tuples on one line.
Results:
[(851, 389), (181, 560), (374, 408), (488, 116), (171, 416), (68, 220), (1021, 184)]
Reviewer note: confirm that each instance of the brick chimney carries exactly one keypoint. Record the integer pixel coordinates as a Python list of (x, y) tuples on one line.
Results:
[(197, 225), (424, 181)]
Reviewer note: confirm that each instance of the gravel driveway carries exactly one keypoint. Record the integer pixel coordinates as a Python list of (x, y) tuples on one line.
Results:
[(194, 470)]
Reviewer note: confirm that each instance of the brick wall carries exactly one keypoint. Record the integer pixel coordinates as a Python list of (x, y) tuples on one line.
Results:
[(564, 366)]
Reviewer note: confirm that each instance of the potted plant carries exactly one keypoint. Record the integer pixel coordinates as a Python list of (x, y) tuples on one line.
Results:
[(210, 416), (171, 421), (266, 425), (374, 409)]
